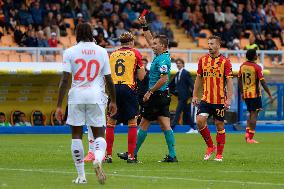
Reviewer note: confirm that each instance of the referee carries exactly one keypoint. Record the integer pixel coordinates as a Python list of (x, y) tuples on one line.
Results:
[(157, 99)]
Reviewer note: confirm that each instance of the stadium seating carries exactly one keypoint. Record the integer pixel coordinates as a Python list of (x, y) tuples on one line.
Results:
[(4, 57), (25, 57)]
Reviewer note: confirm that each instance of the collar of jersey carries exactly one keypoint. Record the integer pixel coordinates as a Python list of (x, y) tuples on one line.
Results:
[(215, 56)]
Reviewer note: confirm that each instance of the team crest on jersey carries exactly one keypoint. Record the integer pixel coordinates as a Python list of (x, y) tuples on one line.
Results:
[(164, 69)]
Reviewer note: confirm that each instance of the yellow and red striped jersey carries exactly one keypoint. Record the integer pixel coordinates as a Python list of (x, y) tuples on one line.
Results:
[(251, 74), (214, 71), (123, 63)]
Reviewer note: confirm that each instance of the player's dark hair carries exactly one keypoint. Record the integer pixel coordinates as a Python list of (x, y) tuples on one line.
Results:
[(22, 113), (251, 55), (180, 60), (84, 33), (2, 114), (163, 40), (126, 37), (217, 38)]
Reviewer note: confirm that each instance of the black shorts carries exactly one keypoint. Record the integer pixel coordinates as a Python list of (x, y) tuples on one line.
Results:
[(215, 110), (157, 105), (253, 104), (127, 103)]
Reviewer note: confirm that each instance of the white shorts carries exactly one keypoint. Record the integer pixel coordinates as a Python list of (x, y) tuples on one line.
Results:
[(86, 114)]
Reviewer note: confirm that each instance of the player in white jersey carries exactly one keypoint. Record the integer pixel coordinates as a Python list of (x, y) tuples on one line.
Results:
[(89, 65)]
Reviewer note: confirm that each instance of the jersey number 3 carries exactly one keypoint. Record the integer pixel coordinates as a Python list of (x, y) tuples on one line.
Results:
[(79, 77)]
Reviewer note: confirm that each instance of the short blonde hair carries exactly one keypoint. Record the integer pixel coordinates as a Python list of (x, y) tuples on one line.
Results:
[(126, 37)]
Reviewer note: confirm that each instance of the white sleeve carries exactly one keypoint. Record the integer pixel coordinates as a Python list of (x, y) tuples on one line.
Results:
[(106, 68), (66, 66)]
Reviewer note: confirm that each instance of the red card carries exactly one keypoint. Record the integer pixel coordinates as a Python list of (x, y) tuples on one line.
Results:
[(145, 11)]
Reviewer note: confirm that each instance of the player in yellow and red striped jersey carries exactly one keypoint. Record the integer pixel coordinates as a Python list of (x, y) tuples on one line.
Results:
[(215, 72), (250, 77), (126, 67)]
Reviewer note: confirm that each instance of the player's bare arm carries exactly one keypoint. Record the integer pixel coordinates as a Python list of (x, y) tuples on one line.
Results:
[(230, 93), (163, 79), (265, 87), (240, 84), (141, 73), (111, 90), (197, 83), (147, 33), (63, 85)]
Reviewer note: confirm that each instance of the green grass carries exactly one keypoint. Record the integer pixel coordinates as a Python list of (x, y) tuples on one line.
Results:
[(44, 162)]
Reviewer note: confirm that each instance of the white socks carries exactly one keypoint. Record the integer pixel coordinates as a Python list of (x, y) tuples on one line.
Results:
[(77, 151), (91, 139), (100, 149)]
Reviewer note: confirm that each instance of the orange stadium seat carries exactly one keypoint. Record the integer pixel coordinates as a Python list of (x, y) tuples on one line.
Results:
[(267, 62), (207, 32), (6, 52), (182, 56), (14, 57), (69, 31), (7, 40), (26, 57), (65, 41), (250, 32), (70, 21), (58, 58), (244, 42), (4, 58), (235, 59), (72, 40), (202, 42), (280, 9), (277, 42), (49, 58)]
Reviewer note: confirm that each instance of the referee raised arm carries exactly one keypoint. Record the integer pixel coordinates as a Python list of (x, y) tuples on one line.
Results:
[(157, 99)]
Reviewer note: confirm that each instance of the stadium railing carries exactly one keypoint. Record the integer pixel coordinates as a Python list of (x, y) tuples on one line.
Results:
[(190, 56)]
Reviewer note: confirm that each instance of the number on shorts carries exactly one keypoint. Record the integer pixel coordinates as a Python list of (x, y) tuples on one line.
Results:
[(220, 113), (78, 76)]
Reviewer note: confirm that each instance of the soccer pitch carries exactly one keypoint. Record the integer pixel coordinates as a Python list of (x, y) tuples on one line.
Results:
[(44, 162)]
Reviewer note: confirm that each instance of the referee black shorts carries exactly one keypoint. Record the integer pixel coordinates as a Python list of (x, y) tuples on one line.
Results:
[(157, 105)]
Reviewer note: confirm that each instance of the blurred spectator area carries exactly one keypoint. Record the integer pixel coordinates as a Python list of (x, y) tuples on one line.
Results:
[(188, 24), (240, 24)]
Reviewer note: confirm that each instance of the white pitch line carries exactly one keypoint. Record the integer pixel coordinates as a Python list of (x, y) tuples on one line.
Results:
[(204, 171), (148, 177)]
